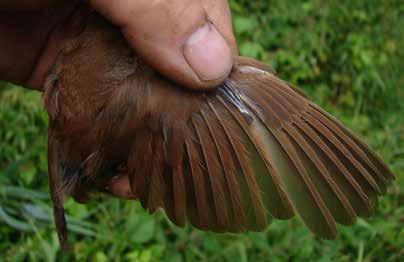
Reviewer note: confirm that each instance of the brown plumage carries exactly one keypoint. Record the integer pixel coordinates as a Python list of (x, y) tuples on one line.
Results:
[(227, 160)]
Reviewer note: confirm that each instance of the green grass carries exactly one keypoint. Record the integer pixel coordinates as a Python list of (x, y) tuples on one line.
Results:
[(346, 55)]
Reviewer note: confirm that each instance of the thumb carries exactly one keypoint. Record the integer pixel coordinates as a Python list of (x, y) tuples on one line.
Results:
[(189, 41)]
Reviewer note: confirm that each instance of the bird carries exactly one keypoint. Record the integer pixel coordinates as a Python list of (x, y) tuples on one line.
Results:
[(230, 159)]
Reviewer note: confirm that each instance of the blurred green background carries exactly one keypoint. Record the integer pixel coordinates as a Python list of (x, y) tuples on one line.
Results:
[(346, 55)]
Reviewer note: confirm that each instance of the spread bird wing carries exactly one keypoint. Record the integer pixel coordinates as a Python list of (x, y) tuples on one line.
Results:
[(256, 149), (226, 160)]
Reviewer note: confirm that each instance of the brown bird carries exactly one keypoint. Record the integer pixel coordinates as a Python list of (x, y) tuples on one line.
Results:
[(227, 160)]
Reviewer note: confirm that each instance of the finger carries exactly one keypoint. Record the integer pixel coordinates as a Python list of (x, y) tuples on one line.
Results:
[(189, 41), (120, 187)]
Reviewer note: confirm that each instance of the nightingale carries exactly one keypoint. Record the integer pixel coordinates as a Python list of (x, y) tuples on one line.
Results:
[(224, 160)]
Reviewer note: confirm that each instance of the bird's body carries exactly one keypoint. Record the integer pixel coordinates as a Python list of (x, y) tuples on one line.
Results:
[(226, 160)]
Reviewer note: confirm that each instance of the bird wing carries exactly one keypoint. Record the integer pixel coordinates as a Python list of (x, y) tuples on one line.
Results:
[(256, 149)]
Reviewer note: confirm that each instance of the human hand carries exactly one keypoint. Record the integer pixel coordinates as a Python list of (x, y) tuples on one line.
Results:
[(188, 41)]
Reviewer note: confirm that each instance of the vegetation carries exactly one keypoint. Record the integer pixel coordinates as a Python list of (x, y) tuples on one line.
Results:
[(346, 55)]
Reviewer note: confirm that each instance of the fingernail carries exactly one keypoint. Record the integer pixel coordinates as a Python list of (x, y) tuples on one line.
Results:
[(208, 54)]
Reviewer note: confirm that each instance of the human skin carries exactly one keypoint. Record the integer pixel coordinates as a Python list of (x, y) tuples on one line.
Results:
[(188, 41)]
